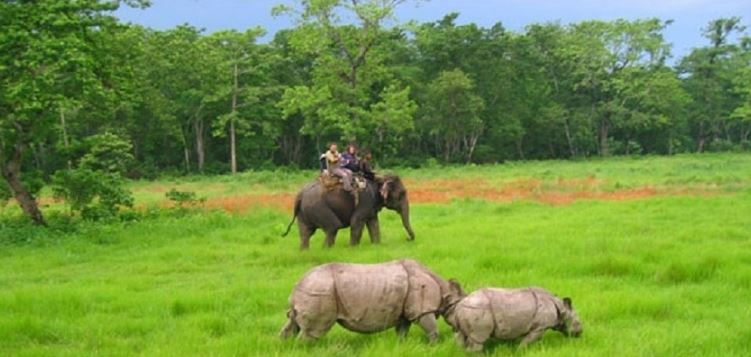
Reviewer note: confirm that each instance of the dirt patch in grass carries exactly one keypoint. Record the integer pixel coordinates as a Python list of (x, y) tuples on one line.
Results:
[(557, 192), (563, 198), (244, 203)]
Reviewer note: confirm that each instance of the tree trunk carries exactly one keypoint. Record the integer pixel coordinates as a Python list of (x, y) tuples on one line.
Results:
[(186, 150), (65, 134), (471, 145), (670, 143), (186, 156), (200, 150), (569, 141), (603, 133), (520, 148), (11, 172), (700, 147), (446, 151), (232, 150)]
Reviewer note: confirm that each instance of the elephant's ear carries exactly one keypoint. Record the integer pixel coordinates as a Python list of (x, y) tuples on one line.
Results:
[(385, 189)]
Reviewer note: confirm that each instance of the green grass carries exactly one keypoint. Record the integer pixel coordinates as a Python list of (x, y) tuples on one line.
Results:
[(668, 275)]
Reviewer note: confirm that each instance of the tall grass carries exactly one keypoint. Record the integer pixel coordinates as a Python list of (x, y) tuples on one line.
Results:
[(659, 276)]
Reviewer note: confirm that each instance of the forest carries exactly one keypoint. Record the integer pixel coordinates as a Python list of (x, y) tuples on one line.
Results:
[(86, 100)]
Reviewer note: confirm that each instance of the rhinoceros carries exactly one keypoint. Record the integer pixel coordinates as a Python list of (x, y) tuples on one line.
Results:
[(368, 298), (507, 314)]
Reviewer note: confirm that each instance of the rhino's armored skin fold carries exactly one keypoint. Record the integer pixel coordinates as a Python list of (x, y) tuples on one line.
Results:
[(367, 298), (507, 314)]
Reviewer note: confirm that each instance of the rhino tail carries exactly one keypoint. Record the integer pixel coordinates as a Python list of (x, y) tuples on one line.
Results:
[(291, 328)]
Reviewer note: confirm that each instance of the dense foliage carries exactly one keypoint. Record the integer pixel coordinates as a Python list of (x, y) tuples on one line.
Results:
[(190, 101)]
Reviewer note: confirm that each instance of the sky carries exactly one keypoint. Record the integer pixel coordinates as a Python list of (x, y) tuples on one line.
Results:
[(689, 16)]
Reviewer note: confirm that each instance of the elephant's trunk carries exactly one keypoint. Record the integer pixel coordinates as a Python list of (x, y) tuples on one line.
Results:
[(404, 211)]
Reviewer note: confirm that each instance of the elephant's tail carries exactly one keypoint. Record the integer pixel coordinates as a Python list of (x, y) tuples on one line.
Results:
[(294, 216)]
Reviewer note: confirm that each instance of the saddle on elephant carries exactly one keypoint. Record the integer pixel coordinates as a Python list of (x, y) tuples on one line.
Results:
[(330, 182)]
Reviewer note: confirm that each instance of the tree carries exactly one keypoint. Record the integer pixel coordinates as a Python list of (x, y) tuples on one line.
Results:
[(350, 79), (741, 115), (185, 68), (606, 53), (710, 71), (454, 115), (245, 68), (48, 54)]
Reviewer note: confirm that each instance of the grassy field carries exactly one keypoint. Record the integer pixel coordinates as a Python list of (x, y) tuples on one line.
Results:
[(655, 252)]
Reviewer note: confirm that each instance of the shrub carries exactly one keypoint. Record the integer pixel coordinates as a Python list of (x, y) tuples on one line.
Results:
[(107, 153), (95, 188), (721, 145), (94, 194), (184, 199), (5, 194)]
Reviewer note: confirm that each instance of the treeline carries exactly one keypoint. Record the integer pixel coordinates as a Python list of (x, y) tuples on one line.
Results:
[(187, 101)]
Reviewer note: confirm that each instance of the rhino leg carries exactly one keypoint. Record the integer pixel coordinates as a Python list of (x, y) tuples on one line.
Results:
[(476, 328), (533, 336), (429, 325), (402, 327), (460, 338), (291, 328), (315, 316), (472, 346), (315, 329)]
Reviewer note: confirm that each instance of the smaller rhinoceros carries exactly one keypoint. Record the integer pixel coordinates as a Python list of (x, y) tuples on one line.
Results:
[(507, 314), (368, 298)]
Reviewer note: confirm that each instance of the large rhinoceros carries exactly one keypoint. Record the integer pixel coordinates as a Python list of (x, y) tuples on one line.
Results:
[(368, 298), (507, 314)]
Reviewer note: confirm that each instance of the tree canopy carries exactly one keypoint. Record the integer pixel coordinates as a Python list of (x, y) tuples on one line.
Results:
[(183, 100)]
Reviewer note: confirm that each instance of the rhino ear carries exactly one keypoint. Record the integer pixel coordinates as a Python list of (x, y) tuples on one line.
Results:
[(455, 287), (567, 303)]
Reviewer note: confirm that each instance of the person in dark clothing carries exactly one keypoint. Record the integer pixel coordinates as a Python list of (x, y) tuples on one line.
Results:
[(366, 168), (349, 159)]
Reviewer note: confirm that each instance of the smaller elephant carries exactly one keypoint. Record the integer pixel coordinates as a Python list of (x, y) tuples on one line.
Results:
[(507, 314), (368, 298)]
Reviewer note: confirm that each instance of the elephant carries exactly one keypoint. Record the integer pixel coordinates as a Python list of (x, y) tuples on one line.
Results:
[(317, 206), (508, 314), (368, 298)]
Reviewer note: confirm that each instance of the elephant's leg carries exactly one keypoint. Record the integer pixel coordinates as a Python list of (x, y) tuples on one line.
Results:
[(330, 224), (355, 231), (330, 238), (429, 325), (374, 230), (402, 327), (305, 232)]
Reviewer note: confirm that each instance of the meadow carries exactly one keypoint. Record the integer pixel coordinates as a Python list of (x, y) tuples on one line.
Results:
[(654, 251)]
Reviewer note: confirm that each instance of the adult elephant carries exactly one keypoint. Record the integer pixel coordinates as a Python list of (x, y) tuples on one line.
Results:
[(331, 209)]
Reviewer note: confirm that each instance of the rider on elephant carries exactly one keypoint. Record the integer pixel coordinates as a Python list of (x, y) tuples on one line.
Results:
[(350, 164), (350, 160), (366, 168), (335, 163)]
